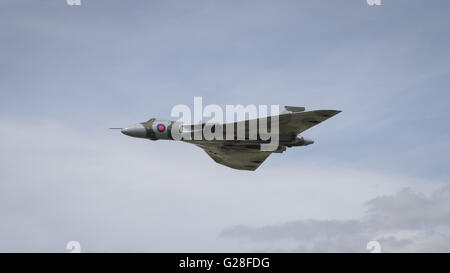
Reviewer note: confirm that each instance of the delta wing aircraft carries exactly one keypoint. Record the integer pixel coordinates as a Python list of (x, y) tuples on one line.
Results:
[(241, 154)]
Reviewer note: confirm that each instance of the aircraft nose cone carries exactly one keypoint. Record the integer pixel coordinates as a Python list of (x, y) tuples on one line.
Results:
[(136, 130)]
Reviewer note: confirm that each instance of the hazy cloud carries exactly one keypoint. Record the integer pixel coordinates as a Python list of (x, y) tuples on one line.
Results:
[(405, 221)]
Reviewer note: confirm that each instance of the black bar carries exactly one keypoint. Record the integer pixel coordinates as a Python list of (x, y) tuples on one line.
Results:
[(224, 262)]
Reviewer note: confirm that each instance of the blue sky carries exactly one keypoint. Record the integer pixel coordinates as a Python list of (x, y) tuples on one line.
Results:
[(69, 72)]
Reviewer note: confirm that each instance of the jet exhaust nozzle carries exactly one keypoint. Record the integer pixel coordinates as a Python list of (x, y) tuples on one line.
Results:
[(302, 141), (307, 141)]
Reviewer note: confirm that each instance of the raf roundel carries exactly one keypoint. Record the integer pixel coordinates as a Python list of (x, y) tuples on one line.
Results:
[(161, 128)]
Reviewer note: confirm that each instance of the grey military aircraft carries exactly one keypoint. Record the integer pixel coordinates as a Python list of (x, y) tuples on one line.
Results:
[(241, 154)]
